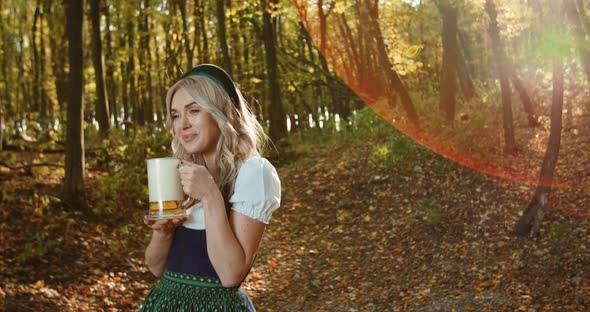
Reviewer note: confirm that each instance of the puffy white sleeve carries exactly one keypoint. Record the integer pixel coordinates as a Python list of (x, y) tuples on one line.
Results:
[(257, 192)]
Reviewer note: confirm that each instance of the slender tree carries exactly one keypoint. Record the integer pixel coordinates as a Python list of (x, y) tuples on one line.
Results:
[(324, 53), (448, 78), (110, 68), (278, 122), (102, 106), (204, 47), (188, 48), (36, 86), (145, 63), (465, 80), (132, 93), (6, 101), (532, 218), (222, 37), (73, 187), (394, 82), (502, 63), (527, 103)]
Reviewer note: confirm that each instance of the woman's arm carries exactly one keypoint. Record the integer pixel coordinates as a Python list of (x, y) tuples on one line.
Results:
[(231, 244), (156, 252)]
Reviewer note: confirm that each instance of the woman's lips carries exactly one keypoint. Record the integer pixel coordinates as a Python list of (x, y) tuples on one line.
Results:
[(188, 137)]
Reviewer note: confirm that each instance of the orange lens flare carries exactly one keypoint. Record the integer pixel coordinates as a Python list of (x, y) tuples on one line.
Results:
[(475, 138)]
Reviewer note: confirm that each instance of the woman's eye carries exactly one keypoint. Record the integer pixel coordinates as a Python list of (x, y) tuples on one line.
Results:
[(174, 117), (194, 110)]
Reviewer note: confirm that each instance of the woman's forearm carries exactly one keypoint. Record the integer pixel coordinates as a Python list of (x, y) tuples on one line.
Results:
[(225, 252), (157, 252)]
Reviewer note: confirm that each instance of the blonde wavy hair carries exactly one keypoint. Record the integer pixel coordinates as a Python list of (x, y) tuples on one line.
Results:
[(241, 135)]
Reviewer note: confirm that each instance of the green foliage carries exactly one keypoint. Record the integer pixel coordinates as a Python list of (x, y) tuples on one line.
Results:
[(122, 189), (37, 247), (119, 193), (365, 123), (394, 150)]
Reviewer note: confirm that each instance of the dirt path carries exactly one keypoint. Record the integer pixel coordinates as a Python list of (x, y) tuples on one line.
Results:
[(414, 232), (422, 233)]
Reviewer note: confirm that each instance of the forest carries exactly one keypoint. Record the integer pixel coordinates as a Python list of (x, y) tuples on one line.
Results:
[(434, 154)]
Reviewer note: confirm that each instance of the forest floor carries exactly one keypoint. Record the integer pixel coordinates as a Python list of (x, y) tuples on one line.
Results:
[(355, 232)]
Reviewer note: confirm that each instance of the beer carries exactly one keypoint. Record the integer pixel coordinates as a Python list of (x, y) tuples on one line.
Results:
[(167, 199), (166, 209)]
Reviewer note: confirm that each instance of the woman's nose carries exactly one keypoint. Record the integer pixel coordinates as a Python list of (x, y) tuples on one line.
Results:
[(185, 122)]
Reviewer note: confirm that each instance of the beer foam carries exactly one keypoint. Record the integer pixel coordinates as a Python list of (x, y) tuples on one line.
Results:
[(164, 179)]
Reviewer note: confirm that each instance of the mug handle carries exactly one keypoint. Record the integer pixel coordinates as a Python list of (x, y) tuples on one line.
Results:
[(189, 202)]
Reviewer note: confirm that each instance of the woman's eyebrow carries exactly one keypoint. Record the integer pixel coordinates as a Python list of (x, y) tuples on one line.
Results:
[(185, 105)]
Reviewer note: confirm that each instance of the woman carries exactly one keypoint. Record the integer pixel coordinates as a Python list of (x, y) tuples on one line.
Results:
[(204, 258)]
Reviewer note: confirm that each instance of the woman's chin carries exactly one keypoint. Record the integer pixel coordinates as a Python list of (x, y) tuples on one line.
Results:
[(190, 149)]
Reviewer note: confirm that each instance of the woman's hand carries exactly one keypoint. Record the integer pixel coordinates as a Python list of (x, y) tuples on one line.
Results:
[(164, 227), (196, 180)]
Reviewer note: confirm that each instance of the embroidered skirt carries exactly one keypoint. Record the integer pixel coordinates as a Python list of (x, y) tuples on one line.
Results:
[(185, 292)]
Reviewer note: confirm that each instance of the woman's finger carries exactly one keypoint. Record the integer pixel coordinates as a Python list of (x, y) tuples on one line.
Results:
[(148, 221), (186, 162)]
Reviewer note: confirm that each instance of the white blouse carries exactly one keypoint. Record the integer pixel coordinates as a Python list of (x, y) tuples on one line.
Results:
[(257, 194)]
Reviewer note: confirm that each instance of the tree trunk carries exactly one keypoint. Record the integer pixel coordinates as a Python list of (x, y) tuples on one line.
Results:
[(278, 122), (316, 85), (110, 70), (465, 80), (502, 62), (145, 63), (46, 112), (132, 87), (531, 220), (322, 19), (238, 28), (527, 103), (363, 84), (198, 30), (185, 34), (102, 106), (351, 48), (1, 128), (448, 79), (6, 105), (221, 36), (205, 50), (395, 85), (336, 104), (36, 86), (58, 60), (73, 188), (161, 97)]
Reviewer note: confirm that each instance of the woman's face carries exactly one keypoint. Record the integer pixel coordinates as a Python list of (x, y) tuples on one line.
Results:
[(196, 130)]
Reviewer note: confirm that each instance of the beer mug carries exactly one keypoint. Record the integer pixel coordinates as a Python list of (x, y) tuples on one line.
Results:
[(167, 199)]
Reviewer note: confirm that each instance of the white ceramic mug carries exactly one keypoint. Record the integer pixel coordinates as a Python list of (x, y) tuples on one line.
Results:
[(167, 200)]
